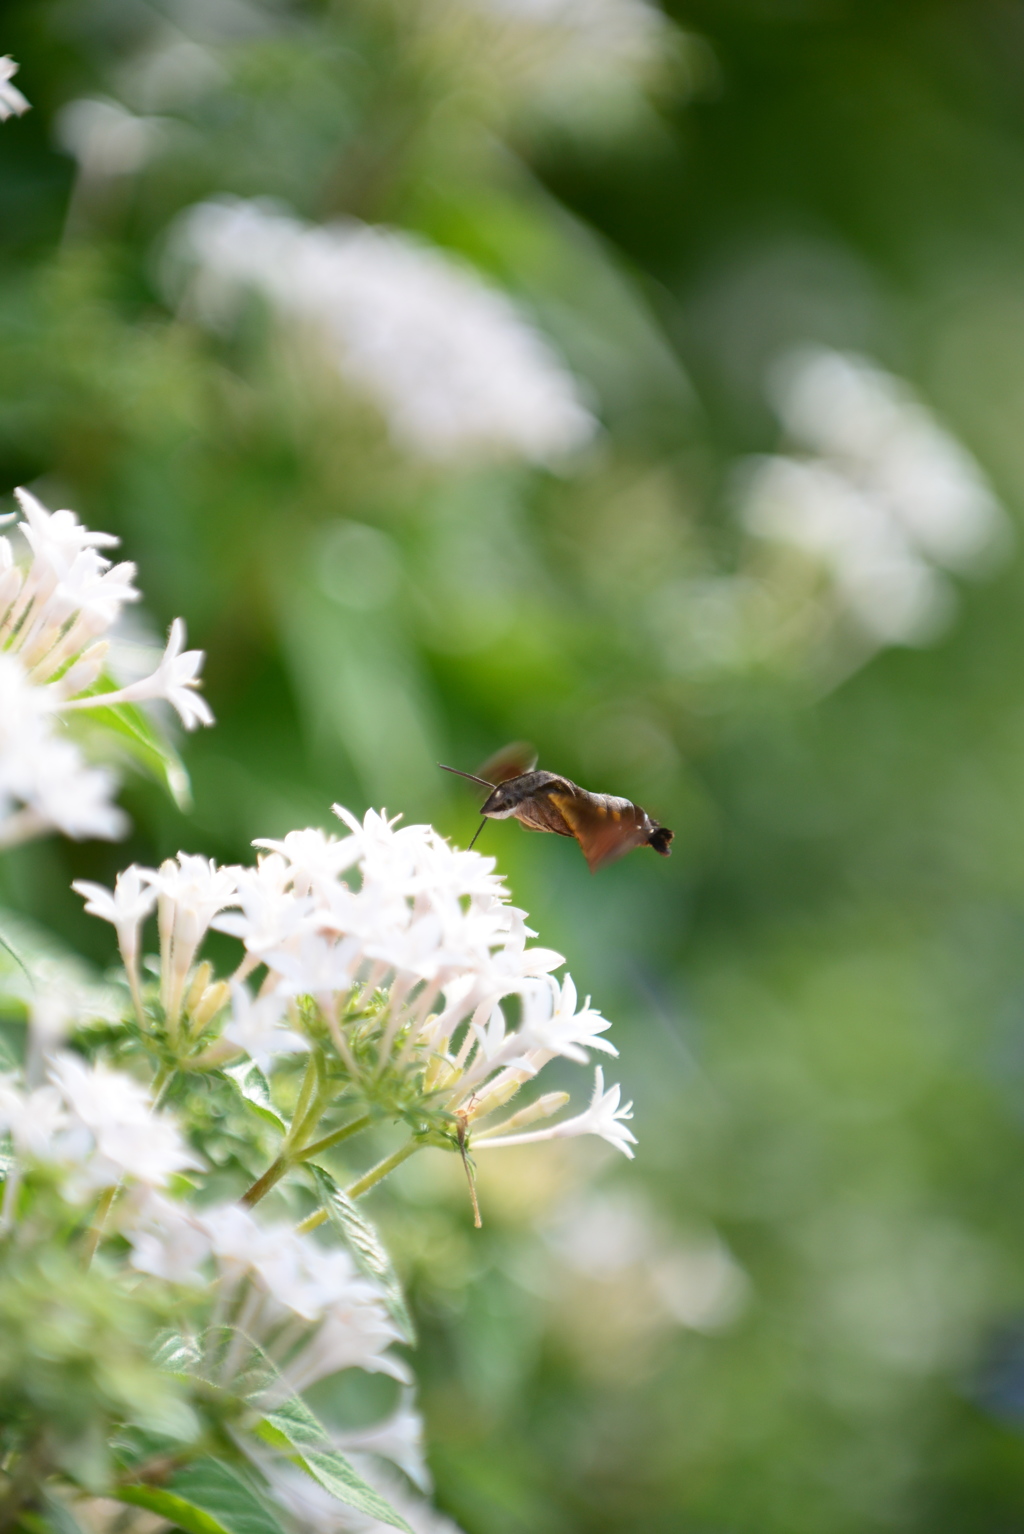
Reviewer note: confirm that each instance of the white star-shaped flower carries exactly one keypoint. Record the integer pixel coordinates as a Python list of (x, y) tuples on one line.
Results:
[(256, 1028), (12, 102), (551, 1022), (174, 680), (602, 1117), (126, 906)]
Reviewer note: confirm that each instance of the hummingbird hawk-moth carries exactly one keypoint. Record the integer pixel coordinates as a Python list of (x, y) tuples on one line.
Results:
[(605, 826)]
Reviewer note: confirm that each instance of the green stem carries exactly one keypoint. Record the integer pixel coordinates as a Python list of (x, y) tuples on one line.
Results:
[(95, 1233), (161, 1081), (309, 1081), (310, 1119), (275, 1171), (311, 1222), (335, 1138), (377, 1173)]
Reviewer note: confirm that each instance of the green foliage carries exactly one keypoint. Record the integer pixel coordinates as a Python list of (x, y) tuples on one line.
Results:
[(208, 1497), (366, 1247), (74, 1360), (291, 1424)]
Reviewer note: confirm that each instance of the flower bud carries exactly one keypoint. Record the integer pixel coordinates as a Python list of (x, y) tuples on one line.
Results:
[(200, 980), (86, 669), (210, 1003)]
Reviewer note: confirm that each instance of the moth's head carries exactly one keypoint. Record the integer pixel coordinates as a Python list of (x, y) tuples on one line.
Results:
[(659, 839), (501, 802)]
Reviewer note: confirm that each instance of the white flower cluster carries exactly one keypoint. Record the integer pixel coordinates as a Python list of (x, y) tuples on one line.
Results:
[(456, 369), (56, 608), (95, 1124), (97, 1128), (879, 493), (12, 102), (268, 1275), (427, 923)]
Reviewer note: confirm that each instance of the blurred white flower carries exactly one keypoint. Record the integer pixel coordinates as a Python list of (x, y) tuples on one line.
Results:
[(456, 369), (880, 497), (870, 426), (895, 595), (615, 1237), (165, 1238), (12, 102), (105, 138), (129, 1139), (285, 1274), (255, 1026), (398, 1438), (45, 781), (97, 1124), (32, 1119), (54, 608)]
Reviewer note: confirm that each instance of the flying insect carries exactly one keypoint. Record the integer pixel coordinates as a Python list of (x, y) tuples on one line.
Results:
[(605, 826)]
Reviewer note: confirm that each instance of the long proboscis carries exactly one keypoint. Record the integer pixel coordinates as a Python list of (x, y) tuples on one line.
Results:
[(470, 775)]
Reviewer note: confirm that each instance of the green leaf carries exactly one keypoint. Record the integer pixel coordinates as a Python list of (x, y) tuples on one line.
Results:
[(178, 1354), (292, 1423), (366, 1247), (207, 1497), (144, 743), (253, 1086), (184, 1515)]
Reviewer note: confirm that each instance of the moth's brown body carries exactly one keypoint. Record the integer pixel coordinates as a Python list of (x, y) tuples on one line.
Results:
[(606, 827)]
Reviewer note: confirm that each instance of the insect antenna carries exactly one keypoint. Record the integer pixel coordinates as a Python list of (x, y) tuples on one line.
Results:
[(470, 775)]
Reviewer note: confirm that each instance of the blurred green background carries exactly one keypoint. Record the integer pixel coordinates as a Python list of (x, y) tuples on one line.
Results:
[(802, 1307)]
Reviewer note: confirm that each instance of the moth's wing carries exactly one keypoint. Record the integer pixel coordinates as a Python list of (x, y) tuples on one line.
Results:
[(605, 827), (541, 812), (510, 762)]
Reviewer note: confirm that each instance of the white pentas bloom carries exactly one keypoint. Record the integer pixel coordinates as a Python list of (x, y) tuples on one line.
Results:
[(603, 1117), (45, 781), (877, 492), (12, 102), (174, 680), (60, 599), (96, 1124), (385, 958), (456, 369), (272, 1274)]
